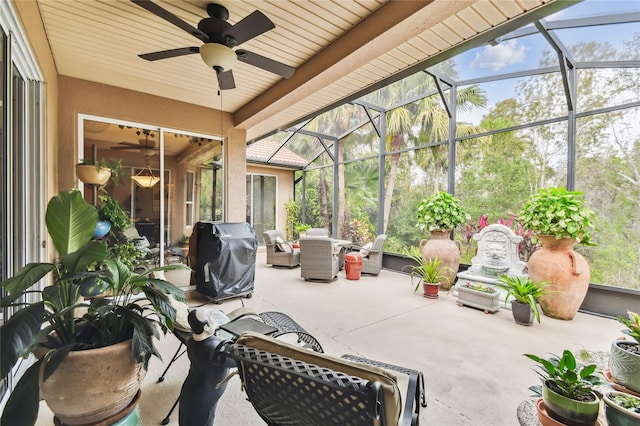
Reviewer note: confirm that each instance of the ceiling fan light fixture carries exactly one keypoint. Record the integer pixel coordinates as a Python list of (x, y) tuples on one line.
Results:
[(218, 55)]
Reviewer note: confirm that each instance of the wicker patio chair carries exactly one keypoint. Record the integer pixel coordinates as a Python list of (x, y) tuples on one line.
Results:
[(319, 259), (290, 385), (317, 232), (279, 252), (372, 257)]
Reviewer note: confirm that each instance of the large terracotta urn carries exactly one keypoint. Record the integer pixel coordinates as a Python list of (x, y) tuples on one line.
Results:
[(92, 385), (567, 272), (442, 247)]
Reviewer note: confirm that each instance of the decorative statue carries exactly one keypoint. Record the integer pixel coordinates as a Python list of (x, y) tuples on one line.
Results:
[(200, 391)]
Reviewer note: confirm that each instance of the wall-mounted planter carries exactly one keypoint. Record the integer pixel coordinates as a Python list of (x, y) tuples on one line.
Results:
[(88, 173), (487, 301)]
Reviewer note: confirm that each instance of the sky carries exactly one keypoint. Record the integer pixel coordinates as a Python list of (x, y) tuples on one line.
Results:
[(525, 53)]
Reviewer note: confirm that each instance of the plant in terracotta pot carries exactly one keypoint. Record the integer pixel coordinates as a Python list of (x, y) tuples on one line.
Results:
[(184, 242), (428, 273), (526, 293), (569, 388), (624, 356), (92, 340), (560, 219), (439, 214), (621, 409)]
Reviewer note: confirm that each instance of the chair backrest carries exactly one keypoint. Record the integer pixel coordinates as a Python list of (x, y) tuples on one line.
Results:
[(378, 243), (317, 232), (287, 384), (312, 247)]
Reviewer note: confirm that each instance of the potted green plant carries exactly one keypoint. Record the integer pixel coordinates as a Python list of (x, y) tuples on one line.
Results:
[(621, 409), (428, 273), (624, 356), (559, 219), (526, 293), (301, 229), (184, 242), (569, 388), (479, 296), (99, 172), (439, 214), (81, 344), (111, 214)]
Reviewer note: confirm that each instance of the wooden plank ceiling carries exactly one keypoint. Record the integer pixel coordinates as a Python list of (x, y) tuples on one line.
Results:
[(338, 47)]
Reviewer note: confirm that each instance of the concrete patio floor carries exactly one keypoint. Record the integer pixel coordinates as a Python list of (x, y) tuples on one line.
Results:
[(474, 369)]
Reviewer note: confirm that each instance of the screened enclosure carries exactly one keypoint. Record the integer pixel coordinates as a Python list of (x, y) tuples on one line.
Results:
[(554, 103)]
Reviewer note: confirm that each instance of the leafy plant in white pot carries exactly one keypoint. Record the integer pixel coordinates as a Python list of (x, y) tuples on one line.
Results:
[(560, 219), (440, 214), (624, 356)]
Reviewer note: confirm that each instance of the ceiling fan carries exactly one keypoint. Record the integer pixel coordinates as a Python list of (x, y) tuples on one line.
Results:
[(146, 146), (219, 38)]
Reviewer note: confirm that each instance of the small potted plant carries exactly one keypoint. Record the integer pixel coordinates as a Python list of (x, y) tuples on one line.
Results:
[(624, 356), (621, 409), (184, 242), (301, 229), (559, 219), (110, 216), (568, 388), (478, 296), (439, 214), (526, 293), (428, 273), (99, 172)]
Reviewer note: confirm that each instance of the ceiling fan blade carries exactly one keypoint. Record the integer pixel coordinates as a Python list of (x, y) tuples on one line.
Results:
[(123, 148), (226, 81), (172, 53), (265, 63), (171, 18), (249, 27)]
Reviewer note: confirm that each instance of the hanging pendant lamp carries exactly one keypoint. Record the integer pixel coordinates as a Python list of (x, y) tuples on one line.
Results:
[(145, 177)]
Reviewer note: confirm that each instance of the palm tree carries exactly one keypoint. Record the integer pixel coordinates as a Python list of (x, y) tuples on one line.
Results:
[(433, 120)]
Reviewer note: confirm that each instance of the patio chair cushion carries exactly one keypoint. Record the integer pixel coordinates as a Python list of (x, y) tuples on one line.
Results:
[(364, 251), (282, 245), (387, 379)]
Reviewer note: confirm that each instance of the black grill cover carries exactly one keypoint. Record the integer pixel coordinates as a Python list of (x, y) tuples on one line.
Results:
[(225, 259)]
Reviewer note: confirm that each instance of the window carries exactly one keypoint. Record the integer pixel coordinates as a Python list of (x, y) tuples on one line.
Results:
[(188, 213)]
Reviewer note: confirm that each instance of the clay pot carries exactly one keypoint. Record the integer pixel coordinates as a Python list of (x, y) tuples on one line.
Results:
[(88, 173), (430, 291), (90, 386), (567, 272), (443, 248)]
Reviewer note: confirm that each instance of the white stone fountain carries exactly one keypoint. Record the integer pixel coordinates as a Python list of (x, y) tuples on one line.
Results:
[(497, 255)]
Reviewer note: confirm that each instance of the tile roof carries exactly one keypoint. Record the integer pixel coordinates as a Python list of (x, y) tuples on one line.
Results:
[(262, 150)]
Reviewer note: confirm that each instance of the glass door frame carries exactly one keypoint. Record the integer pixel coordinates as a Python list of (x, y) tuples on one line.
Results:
[(161, 132)]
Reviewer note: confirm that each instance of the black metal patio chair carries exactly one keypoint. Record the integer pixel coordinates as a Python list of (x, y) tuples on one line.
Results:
[(290, 385)]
